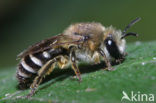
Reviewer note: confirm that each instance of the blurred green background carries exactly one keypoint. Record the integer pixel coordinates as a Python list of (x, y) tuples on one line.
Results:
[(24, 22)]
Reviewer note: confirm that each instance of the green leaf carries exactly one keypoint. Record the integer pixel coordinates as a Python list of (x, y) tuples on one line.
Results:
[(136, 73)]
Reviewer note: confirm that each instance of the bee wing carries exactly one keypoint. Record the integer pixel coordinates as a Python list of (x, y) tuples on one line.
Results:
[(50, 43)]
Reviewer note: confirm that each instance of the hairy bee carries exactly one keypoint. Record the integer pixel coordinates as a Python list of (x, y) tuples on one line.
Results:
[(87, 42)]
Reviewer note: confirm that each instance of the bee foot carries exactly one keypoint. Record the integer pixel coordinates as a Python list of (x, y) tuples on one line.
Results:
[(79, 79), (31, 93), (109, 69)]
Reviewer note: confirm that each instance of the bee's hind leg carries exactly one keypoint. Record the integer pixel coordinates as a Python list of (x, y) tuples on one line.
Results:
[(46, 69), (108, 64)]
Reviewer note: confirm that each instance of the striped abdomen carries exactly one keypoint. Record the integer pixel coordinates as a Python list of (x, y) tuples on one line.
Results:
[(30, 64)]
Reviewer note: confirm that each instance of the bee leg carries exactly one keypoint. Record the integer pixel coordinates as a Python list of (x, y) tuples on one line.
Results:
[(125, 54), (108, 64), (74, 66), (96, 57), (46, 69), (120, 60), (62, 62)]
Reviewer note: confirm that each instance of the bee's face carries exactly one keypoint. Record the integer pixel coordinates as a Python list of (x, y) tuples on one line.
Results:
[(113, 49), (114, 45), (115, 42)]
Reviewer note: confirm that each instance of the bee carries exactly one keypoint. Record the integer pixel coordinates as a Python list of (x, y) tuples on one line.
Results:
[(81, 42)]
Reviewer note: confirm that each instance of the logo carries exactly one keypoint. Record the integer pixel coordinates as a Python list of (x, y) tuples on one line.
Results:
[(137, 96)]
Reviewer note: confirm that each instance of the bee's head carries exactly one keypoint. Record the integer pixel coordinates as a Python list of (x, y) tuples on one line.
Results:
[(114, 40)]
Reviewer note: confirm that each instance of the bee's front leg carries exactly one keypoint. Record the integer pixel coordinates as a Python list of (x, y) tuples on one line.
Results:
[(74, 65), (46, 69), (108, 64), (122, 58)]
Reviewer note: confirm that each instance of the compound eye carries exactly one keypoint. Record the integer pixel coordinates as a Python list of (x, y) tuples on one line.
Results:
[(112, 48), (110, 42)]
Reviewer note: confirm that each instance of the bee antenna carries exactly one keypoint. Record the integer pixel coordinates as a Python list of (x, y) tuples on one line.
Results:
[(128, 26), (130, 33)]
